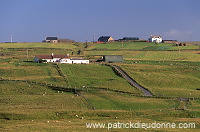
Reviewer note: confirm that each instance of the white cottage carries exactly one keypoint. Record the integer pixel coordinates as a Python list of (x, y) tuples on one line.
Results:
[(155, 38), (74, 61), (60, 59)]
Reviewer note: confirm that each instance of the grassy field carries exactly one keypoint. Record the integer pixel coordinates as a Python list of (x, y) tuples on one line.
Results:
[(95, 76), (111, 101), (45, 73), (105, 97), (152, 55), (171, 79), (146, 51), (197, 43), (146, 46), (38, 45), (52, 111)]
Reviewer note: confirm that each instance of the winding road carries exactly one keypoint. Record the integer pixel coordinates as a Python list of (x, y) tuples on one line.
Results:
[(131, 81)]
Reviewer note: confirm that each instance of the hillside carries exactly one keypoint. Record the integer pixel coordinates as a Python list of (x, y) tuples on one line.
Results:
[(197, 43), (60, 97), (141, 46)]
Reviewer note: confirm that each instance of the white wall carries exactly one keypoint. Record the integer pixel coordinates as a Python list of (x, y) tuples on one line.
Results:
[(80, 61), (155, 40), (66, 61), (71, 61)]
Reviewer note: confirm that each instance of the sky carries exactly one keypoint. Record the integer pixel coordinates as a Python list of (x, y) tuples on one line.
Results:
[(80, 20)]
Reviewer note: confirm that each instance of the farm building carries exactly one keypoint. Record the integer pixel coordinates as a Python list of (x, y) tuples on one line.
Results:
[(155, 38), (59, 59), (113, 58), (170, 41), (105, 39), (129, 39), (51, 40), (74, 61)]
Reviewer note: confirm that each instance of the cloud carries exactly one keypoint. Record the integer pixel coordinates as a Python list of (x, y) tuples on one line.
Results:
[(178, 34)]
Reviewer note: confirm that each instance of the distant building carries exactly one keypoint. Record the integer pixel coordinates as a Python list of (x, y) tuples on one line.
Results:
[(155, 38), (171, 41), (61, 40), (113, 58), (59, 59), (129, 39), (75, 61), (51, 40), (105, 39)]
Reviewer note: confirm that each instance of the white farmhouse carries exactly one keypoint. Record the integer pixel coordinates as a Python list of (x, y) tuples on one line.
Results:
[(155, 38), (74, 61), (59, 59)]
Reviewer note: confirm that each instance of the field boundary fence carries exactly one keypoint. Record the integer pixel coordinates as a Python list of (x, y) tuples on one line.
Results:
[(78, 90)]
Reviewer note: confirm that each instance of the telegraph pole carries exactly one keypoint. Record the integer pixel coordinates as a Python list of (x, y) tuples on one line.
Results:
[(93, 38), (179, 51)]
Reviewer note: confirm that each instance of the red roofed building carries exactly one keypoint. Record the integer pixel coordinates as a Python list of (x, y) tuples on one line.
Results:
[(60, 59)]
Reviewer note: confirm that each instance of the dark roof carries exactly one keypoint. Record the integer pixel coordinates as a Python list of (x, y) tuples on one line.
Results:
[(113, 58), (104, 38), (155, 36), (130, 38), (51, 38)]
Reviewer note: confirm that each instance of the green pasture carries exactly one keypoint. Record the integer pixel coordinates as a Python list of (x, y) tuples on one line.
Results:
[(151, 55), (31, 52), (44, 73), (146, 46), (163, 69), (171, 79), (111, 101), (28, 54), (52, 111), (99, 76), (194, 108), (27, 107), (22, 101), (145, 51), (38, 45)]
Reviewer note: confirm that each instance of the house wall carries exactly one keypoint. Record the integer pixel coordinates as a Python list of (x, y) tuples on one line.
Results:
[(56, 59), (155, 40), (48, 60), (80, 61), (71, 61), (52, 41), (65, 60), (110, 39)]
